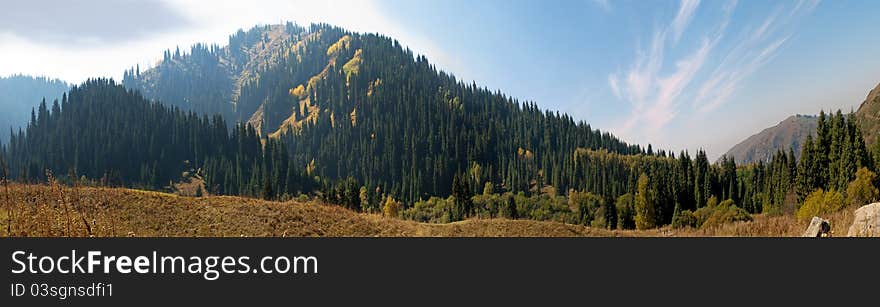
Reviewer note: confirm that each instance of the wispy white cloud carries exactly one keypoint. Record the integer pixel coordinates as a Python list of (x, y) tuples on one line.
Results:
[(683, 18), (604, 4), (805, 6), (615, 89), (748, 55), (724, 81), (655, 96), (657, 86)]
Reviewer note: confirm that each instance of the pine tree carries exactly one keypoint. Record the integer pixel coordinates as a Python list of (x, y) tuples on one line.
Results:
[(806, 175)]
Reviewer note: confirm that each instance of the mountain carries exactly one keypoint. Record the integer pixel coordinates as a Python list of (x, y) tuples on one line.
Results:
[(869, 115), (254, 78), (793, 131), (19, 95), (402, 124), (789, 133)]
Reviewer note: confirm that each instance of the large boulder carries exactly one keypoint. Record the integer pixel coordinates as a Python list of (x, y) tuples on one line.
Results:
[(819, 227), (866, 222)]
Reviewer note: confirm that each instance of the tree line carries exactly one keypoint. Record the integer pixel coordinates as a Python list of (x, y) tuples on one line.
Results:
[(104, 132)]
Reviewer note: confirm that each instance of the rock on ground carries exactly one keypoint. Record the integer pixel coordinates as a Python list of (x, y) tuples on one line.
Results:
[(866, 222), (818, 228)]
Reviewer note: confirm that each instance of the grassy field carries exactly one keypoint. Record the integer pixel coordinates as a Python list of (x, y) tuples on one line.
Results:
[(55, 210)]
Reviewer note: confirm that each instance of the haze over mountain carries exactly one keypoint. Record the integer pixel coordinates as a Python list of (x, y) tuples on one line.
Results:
[(793, 131), (789, 133), (19, 95)]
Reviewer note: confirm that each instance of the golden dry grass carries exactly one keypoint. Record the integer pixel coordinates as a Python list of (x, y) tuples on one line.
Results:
[(768, 226), (55, 210)]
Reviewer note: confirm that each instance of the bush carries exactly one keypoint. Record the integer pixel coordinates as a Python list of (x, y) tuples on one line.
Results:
[(712, 202), (862, 191), (723, 213), (433, 210), (625, 212), (391, 208), (488, 205), (682, 219), (509, 209), (302, 198), (586, 207), (820, 203), (603, 218)]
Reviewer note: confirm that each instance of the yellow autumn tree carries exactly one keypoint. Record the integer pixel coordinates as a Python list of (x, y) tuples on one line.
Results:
[(365, 199), (646, 212), (862, 191), (391, 208)]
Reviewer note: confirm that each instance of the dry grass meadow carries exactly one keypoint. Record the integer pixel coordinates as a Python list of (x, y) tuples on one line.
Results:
[(52, 210)]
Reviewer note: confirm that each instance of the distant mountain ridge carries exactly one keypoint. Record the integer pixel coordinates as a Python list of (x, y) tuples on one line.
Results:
[(20, 94), (793, 131), (789, 133)]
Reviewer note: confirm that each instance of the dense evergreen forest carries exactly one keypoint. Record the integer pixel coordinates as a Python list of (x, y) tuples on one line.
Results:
[(103, 132), (362, 122)]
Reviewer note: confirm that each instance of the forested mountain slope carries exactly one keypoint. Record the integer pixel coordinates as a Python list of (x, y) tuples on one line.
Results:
[(362, 106), (869, 115)]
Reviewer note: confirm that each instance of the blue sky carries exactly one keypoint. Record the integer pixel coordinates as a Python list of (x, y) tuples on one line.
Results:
[(677, 74)]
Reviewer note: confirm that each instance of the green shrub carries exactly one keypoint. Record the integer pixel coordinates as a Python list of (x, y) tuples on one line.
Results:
[(586, 207), (820, 203), (509, 208), (682, 219), (625, 212), (723, 213), (433, 210)]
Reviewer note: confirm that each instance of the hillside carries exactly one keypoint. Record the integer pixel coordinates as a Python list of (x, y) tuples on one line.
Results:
[(408, 127), (52, 210), (869, 115), (789, 133), (19, 95)]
